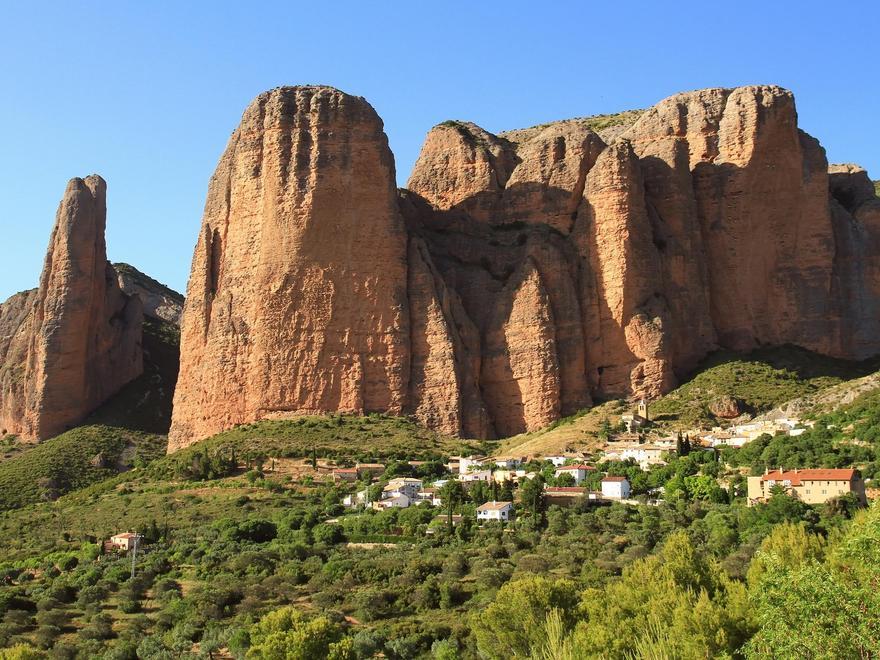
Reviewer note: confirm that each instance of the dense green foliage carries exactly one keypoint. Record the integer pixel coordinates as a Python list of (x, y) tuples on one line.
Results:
[(820, 604), (761, 380), (73, 460)]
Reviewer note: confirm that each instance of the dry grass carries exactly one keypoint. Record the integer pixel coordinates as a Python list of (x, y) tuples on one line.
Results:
[(576, 433)]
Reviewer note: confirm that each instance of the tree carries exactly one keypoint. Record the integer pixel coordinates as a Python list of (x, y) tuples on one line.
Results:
[(287, 633), (451, 495), (532, 496), (512, 626), (678, 602), (21, 652), (566, 479), (812, 607)]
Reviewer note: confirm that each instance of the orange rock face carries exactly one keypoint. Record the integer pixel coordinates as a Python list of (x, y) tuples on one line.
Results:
[(70, 344), (297, 299), (520, 274)]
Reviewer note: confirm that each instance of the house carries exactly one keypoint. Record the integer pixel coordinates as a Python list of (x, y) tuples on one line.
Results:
[(616, 488), (402, 486), (443, 521), (358, 498), (471, 477), (579, 472), (501, 511), (557, 460), (346, 475), (813, 486), (507, 462), (428, 495), (123, 542), (468, 464), (374, 469), (568, 495), (645, 455), (500, 476), (397, 501)]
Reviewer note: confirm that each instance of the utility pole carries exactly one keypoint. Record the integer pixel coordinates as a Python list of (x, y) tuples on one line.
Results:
[(134, 550)]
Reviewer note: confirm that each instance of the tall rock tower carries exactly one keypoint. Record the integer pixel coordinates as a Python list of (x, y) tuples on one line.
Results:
[(76, 340), (297, 297)]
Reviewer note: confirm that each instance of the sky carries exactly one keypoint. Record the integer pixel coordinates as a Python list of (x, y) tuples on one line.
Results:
[(146, 94)]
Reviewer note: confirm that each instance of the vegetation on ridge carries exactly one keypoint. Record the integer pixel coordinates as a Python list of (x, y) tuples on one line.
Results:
[(763, 379), (126, 431)]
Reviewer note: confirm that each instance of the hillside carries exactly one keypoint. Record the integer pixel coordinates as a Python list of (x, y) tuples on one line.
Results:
[(761, 380), (128, 430), (344, 438), (790, 378)]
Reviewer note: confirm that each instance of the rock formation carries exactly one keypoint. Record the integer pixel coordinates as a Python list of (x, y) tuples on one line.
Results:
[(160, 302), (297, 299), (520, 274), (73, 342)]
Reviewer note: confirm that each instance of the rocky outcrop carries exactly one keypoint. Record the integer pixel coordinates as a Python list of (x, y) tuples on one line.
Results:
[(521, 274), (70, 344), (159, 301), (726, 407), (297, 299)]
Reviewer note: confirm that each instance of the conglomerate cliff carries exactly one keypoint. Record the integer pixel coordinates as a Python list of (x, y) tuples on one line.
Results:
[(70, 344), (519, 275)]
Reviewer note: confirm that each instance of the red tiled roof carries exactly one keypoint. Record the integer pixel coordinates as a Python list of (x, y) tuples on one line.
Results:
[(797, 476), (576, 467), (614, 479)]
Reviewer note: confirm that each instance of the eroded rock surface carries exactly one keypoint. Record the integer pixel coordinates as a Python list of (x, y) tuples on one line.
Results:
[(297, 299), (520, 274), (69, 345)]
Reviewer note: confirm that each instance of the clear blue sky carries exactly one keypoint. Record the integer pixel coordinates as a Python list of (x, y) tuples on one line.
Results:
[(147, 93)]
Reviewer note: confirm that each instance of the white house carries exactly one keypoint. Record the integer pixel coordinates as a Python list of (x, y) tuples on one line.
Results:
[(615, 488), (402, 486), (428, 495), (479, 475), (399, 501), (507, 462), (502, 511), (579, 472), (558, 460), (468, 464), (358, 498), (644, 455)]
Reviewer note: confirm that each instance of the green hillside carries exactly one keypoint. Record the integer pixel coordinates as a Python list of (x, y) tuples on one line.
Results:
[(344, 438), (761, 380), (127, 430)]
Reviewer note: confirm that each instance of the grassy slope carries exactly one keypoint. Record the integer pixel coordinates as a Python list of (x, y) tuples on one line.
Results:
[(573, 433), (343, 437), (155, 493), (762, 380), (127, 430), (877, 188)]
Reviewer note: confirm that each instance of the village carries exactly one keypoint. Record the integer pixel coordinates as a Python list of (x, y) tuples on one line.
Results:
[(574, 477), (571, 478)]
